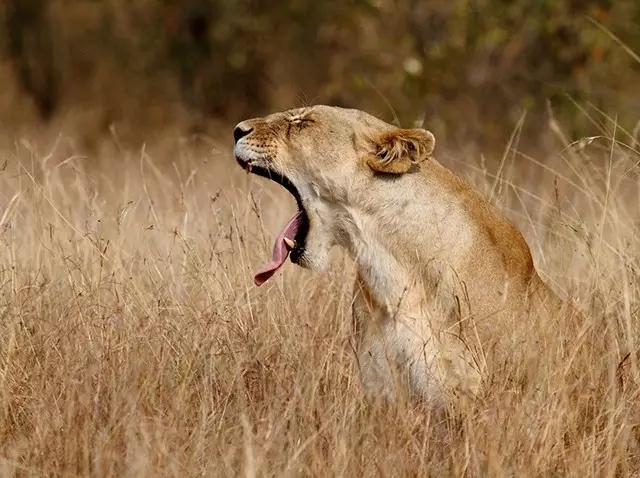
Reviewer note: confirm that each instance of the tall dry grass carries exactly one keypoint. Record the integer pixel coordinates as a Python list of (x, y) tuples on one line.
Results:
[(133, 342)]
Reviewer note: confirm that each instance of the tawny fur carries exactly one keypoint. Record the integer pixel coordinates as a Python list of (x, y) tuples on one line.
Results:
[(443, 276)]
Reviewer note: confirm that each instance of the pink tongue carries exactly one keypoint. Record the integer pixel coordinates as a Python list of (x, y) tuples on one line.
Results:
[(280, 250)]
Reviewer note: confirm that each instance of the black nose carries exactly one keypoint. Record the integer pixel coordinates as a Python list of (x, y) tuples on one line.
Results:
[(240, 131)]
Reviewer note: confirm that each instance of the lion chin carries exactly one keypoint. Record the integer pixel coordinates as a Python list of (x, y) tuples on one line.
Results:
[(443, 276)]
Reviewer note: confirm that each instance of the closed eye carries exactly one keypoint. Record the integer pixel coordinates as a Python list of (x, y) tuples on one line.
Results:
[(301, 121), (298, 123)]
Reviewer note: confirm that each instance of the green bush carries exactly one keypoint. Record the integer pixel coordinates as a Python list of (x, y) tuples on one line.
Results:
[(473, 66)]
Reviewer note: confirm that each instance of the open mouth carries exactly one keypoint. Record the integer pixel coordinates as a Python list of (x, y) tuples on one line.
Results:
[(292, 239)]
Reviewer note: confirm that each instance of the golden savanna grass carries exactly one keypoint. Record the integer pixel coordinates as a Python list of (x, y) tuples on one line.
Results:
[(134, 343)]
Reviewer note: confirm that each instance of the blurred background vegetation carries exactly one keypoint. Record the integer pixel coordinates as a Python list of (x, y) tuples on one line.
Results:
[(468, 68)]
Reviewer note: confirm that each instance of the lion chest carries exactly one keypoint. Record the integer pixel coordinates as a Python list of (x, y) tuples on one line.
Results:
[(418, 292)]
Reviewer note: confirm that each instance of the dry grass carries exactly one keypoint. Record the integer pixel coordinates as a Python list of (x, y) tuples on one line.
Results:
[(133, 342)]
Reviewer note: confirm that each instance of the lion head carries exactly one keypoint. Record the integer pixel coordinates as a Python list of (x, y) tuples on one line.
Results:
[(327, 158)]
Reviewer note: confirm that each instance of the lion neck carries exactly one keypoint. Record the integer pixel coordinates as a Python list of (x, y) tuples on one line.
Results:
[(403, 235)]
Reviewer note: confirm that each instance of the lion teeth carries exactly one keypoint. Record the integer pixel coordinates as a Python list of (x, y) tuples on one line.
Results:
[(249, 168), (291, 244)]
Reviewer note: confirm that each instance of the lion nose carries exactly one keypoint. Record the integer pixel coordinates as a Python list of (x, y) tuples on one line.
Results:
[(241, 130)]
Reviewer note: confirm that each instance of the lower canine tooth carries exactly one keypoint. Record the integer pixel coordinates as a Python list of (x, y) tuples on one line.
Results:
[(290, 243)]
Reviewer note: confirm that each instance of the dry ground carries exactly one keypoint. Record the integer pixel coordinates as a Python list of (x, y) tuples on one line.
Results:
[(133, 342)]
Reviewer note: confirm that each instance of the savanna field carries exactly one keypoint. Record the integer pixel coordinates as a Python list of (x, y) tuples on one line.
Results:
[(133, 341)]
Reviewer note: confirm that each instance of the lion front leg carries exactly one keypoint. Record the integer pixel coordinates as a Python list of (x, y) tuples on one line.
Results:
[(390, 360), (397, 355), (375, 364)]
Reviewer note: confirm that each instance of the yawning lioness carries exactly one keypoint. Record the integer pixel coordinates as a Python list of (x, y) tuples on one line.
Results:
[(440, 270)]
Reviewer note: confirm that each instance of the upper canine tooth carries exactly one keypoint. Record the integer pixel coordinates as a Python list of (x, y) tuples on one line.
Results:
[(290, 243), (248, 168)]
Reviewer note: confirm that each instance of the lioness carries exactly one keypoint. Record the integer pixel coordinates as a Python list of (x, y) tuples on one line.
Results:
[(439, 268)]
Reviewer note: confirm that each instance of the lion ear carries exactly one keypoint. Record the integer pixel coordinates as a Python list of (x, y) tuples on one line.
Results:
[(396, 151)]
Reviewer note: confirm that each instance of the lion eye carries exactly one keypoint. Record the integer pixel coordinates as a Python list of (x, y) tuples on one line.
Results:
[(300, 122)]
